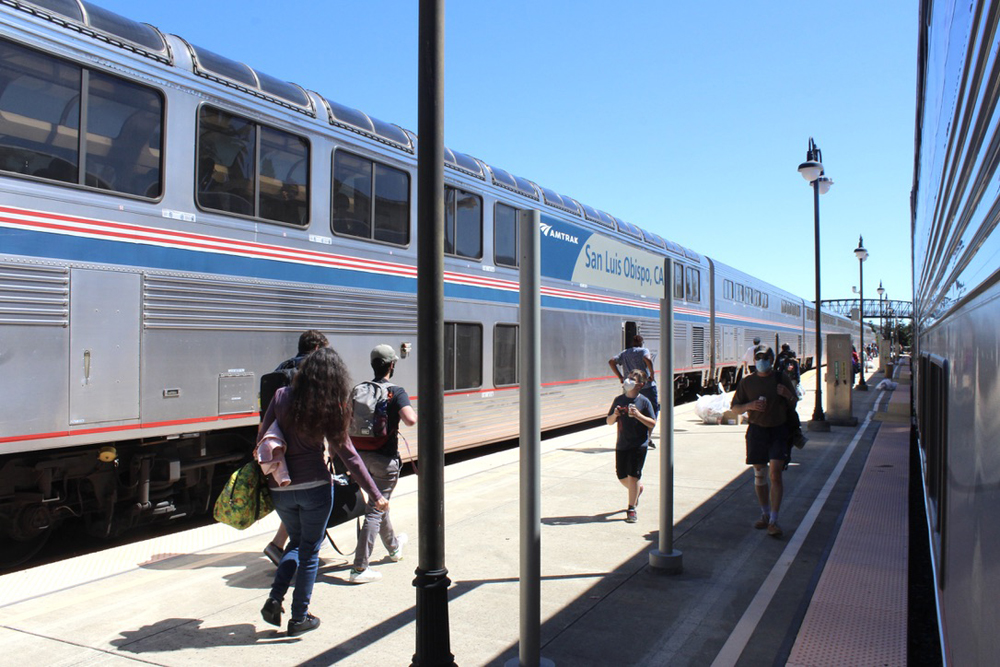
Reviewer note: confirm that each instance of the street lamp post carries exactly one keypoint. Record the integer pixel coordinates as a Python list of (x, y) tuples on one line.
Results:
[(881, 320), (812, 171), (862, 255)]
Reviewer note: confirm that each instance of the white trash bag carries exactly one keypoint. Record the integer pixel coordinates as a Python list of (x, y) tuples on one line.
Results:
[(710, 407), (887, 385)]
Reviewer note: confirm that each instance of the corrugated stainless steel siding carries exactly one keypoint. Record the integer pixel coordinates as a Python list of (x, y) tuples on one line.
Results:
[(205, 304), (34, 295)]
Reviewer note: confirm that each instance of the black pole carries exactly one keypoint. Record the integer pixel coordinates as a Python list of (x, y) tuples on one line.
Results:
[(862, 385), (818, 422), (433, 644)]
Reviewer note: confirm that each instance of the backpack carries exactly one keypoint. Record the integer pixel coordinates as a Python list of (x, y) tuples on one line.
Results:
[(369, 427), (270, 383)]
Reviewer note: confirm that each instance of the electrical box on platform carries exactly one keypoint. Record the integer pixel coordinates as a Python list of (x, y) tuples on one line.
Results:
[(839, 381)]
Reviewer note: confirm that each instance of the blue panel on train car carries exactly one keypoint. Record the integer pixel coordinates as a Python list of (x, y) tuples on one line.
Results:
[(580, 256)]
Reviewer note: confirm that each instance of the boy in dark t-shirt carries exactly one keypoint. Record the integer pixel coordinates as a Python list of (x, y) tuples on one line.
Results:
[(383, 465), (636, 417)]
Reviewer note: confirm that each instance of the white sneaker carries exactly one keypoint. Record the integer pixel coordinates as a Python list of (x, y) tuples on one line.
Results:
[(397, 555), (365, 576)]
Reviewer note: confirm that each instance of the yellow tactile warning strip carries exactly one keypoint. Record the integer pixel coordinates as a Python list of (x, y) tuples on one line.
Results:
[(858, 613)]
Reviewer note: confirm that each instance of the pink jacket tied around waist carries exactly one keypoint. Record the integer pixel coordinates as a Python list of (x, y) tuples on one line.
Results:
[(271, 455)]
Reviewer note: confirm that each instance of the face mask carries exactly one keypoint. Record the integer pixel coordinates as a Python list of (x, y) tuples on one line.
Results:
[(628, 384), (763, 365)]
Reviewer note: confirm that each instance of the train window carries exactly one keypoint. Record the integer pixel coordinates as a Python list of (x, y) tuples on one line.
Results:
[(933, 427), (505, 235), (678, 281), (505, 355), (463, 223), (765, 301), (250, 169), (124, 123), (692, 284), (463, 356), (284, 177), (384, 217), (739, 292), (227, 154), (40, 104), (727, 289)]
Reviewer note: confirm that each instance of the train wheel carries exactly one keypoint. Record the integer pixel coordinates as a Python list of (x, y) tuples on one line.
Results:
[(25, 536)]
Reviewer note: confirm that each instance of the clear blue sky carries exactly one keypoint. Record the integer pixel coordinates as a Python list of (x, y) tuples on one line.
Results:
[(686, 118)]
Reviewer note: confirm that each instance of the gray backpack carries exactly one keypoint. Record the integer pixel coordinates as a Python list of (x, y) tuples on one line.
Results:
[(369, 428)]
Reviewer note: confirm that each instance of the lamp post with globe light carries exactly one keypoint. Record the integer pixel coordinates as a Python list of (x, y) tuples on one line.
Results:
[(862, 255), (812, 171)]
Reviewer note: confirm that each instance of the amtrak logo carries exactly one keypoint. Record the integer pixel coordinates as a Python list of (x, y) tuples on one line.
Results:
[(562, 236)]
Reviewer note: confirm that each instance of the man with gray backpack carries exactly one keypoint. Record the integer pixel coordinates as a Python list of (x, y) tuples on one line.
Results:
[(379, 406)]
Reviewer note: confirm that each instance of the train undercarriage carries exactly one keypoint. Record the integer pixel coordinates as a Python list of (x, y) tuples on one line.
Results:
[(112, 487)]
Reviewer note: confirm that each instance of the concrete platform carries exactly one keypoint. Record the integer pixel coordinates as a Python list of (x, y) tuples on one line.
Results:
[(194, 597)]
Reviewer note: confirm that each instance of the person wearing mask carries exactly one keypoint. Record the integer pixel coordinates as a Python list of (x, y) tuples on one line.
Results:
[(638, 358), (635, 417), (766, 397), (314, 408)]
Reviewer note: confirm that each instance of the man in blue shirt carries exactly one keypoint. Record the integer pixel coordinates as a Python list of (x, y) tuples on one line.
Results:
[(638, 358)]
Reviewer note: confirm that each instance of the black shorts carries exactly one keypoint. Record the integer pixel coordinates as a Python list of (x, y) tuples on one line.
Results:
[(629, 462), (765, 443)]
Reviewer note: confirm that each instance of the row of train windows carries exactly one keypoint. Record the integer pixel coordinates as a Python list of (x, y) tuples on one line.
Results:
[(71, 124), (744, 294), (463, 355), (789, 308), (687, 283)]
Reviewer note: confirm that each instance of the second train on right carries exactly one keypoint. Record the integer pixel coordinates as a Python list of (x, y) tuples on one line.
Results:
[(955, 209)]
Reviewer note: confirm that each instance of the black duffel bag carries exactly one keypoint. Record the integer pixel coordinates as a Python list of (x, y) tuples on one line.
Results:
[(348, 502)]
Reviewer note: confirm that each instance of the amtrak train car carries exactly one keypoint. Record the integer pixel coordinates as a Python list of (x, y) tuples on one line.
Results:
[(171, 221), (956, 302)]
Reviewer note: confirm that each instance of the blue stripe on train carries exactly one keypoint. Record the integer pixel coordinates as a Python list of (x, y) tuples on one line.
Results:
[(45, 245)]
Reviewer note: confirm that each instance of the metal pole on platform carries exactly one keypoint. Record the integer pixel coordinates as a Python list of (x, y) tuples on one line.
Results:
[(812, 171), (433, 643), (665, 557), (529, 370)]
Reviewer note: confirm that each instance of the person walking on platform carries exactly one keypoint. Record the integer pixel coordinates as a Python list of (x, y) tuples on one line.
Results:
[(748, 358), (309, 342), (638, 358), (311, 410), (382, 459), (636, 418), (767, 437)]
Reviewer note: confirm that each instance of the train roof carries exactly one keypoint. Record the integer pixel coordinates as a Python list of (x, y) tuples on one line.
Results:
[(147, 40)]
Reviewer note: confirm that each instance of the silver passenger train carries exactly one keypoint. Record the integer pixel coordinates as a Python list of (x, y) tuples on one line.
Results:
[(956, 279), (171, 220)]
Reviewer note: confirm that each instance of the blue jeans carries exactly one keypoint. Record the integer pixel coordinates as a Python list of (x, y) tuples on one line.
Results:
[(385, 474), (304, 514)]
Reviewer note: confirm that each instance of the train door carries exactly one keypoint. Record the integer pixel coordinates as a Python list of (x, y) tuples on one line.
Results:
[(629, 331), (104, 346)]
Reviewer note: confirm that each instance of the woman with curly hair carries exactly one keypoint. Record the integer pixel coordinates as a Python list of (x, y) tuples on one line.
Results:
[(314, 408)]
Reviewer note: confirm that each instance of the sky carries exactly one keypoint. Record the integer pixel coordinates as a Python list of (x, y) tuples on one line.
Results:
[(688, 119)]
